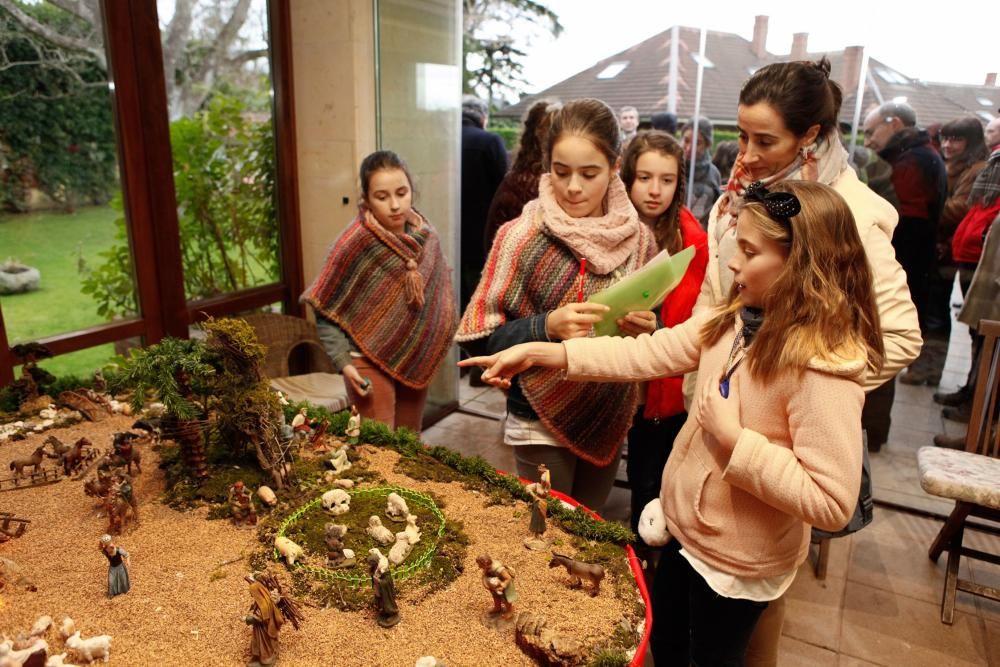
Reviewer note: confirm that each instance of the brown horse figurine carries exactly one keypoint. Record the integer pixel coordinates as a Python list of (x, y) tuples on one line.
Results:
[(35, 460), (580, 571), (74, 458), (125, 451), (121, 514)]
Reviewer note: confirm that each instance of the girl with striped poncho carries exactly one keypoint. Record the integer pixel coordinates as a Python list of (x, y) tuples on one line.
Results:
[(384, 305), (579, 237)]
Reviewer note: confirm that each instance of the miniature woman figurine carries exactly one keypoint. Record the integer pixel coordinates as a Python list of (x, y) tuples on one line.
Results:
[(266, 618), (118, 564), (301, 426), (539, 508), (241, 505), (384, 589), (354, 426), (499, 581)]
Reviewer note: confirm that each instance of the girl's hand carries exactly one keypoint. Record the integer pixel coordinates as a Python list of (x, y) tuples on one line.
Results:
[(358, 384), (502, 366), (574, 320), (721, 416), (638, 322)]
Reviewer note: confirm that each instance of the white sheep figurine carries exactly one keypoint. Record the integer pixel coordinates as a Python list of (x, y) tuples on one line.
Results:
[(267, 496), (337, 502), (41, 626), (378, 532), (15, 658), (400, 550), (58, 661), (93, 647), (396, 507), (383, 562), (290, 550), (67, 628), (412, 532)]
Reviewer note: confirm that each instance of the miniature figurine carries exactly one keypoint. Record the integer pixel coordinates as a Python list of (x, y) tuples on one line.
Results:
[(412, 532), (539, 508), (290, 550), (91, 648), (384, 589), (118, 565), (266, 619), (241, 507), (122, 487), (267, 496), (302, 425), (499, 581), (401, 549), (124, 451), (579, 571), (33, 461), (339, 461), (74, 458), (336, 554), (354, 426), (100, 384), (118, 503), (378, 532), (395, 507), (336, 502), (318, 437)]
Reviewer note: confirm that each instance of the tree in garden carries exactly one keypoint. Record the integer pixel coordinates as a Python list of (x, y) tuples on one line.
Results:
[(490, 58)]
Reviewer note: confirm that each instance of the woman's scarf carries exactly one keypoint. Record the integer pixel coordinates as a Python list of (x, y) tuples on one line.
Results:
[(391, 293)]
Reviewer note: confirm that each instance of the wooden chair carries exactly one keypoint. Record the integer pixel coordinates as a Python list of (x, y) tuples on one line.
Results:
[(971, 478), (296, 362)]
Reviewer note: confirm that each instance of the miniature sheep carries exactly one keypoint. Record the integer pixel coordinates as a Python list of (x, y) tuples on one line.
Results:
[(412, 532), (336, 501), (90, 648), (67, 628), (396, 507), (15, 658), (290, 550), (383, 562), (58, 661), (41, 626), (400, 550), (378, 532), (267, 496)]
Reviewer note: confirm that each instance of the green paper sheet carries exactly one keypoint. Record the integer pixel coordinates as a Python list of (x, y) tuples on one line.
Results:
[(643, 290)]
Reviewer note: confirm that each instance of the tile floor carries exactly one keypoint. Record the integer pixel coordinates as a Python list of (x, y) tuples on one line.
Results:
[(880, 601)]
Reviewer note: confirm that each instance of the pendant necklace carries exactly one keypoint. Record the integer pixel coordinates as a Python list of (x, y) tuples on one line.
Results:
[(732, 364)]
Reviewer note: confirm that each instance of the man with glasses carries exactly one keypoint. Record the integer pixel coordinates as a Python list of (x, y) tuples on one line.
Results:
[(920, 183)]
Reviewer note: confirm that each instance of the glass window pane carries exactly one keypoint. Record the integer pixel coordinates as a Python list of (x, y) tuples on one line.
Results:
[(65, 262), (220, 104)]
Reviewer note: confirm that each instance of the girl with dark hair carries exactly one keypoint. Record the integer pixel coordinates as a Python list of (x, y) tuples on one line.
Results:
[(653, 173), (579, 237), (384, 304), (773, 444)]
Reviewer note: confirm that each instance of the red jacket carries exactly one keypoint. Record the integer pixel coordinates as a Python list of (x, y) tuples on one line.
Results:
[(664, 397)]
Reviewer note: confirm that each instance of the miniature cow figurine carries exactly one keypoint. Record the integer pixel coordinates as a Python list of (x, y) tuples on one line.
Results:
[(337, 502), (290, 550), (93, 647), (378, 532), (396, 507), (580, 571), (400, 550)]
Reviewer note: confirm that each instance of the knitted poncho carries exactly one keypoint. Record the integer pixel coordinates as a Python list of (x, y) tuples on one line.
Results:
[(532, 269), (362, 288)]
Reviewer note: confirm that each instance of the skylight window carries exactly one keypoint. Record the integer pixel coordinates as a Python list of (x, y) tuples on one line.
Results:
[(985, 102), (890, 76), (704, 62), (612, 70)]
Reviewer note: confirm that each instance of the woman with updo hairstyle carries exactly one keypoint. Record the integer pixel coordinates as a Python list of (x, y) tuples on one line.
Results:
[(787, 120), (580, 236)]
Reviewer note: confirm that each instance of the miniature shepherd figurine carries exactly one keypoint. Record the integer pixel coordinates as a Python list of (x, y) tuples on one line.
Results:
[(118, 565), (354, 426), (539, 508), (499, 581), (266, 618), (383, 588), (241, 505)]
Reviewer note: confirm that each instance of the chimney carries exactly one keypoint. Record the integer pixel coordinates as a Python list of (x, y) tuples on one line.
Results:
[(848, 79), (759, 46), (799, 49), (991, 79)]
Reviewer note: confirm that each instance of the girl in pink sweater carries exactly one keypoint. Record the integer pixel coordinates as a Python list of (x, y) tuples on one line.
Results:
[(772, 445)]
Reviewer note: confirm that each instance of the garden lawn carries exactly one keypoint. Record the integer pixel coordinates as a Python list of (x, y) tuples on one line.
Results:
[(56, 244)]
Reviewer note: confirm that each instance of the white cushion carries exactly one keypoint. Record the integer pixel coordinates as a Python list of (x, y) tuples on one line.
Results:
[(948, 473)]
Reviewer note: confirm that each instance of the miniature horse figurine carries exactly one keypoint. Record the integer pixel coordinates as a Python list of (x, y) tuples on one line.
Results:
[(125, 451), (35, 460), (579, 571), (74, 458)]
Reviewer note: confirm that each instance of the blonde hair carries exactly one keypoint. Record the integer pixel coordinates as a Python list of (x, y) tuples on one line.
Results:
[(822, 303)]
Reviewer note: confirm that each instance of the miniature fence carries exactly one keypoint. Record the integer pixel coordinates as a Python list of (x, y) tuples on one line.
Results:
[(28, 480), (398, 573)]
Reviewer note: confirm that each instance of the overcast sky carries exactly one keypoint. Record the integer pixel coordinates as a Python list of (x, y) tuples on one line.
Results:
[(953, 41)]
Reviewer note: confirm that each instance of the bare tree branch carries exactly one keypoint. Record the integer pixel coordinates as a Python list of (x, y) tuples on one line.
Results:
[(54, 36), (247, 56)]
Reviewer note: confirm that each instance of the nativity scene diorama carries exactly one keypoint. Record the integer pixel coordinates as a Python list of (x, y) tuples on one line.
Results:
[(175, 509)]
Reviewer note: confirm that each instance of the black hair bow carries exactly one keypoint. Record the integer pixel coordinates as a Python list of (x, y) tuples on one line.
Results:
[(778, 204)]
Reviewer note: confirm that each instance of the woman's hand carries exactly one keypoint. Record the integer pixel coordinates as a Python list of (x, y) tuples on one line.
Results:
[(502, 366), (360, 385), (721, 416), (638, 322), (574, 320)]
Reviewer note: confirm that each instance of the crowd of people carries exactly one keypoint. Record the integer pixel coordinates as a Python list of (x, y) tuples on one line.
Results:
[(745, 398)]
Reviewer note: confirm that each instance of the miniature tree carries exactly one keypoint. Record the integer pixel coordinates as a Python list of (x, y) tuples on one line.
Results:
[(32, 377)]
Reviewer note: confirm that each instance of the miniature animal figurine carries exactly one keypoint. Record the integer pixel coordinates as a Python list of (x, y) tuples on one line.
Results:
[(41, 626), (98, 487), (267, 496), (118, 566), (400, 550), (151, 426), (290, 550), (336, 554), (125, 451), (498, 579), (119, 507), (17, 657), (383, 589), (339, 461), (428, 661), (12, 573), (74, 457), (396, 507), (66, 628), (579, 571), (378, 532), (383, 561), (58, 661), (33, 461), (337, 502), (241, 507), (90, 648), (58, 447), (412, 532)]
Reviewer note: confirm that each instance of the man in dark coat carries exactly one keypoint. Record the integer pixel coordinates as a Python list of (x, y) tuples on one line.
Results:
[(484, 163)]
